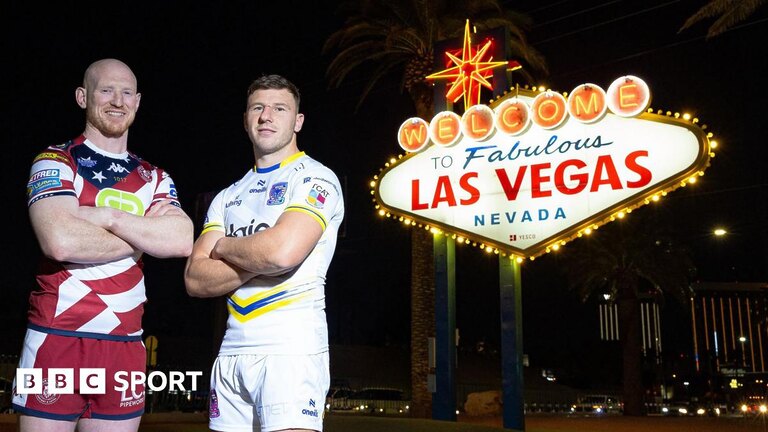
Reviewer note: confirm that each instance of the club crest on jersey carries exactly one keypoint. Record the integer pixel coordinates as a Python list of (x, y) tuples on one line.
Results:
[(317, 196), (144, 173), (277, 193), (46, 397)]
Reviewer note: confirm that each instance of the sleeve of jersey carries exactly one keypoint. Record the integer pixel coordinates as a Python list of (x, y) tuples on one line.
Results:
[(316, 193), (166, 189), (51, 175), (214, 219)]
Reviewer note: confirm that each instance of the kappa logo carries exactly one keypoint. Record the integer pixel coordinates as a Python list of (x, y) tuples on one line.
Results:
[(116, 168)]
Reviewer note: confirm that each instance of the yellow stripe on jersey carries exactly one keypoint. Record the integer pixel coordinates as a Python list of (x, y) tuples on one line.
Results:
[(244, 309), (291, 158), (311, 212), (213, 226), (267, 307)]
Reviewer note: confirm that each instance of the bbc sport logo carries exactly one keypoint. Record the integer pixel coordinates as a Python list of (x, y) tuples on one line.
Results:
[(93, 380)]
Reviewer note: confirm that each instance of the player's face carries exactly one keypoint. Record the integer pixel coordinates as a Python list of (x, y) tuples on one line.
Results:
[(272, 120), (112, 100)]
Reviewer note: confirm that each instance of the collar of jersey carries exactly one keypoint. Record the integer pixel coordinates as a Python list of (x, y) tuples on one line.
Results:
[(288, 160), (103, 152)]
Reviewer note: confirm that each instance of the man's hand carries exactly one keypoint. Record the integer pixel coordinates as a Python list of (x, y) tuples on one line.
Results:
[(162, 208), (102, 217)]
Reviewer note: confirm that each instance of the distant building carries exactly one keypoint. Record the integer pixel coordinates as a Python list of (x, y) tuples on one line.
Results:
[(650, 323), (730, 340), (729, 331), (729, 327)]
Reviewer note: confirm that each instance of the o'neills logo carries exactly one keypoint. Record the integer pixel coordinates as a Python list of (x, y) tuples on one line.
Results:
[(535, 167)]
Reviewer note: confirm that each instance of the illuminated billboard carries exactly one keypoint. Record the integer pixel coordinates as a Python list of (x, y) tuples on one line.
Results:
[(536, 168)]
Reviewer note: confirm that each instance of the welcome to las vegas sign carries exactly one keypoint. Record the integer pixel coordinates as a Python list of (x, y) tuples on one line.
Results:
[(534, 169)]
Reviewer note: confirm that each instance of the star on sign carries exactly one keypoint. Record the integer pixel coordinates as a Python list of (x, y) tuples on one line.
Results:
[(469, 72)]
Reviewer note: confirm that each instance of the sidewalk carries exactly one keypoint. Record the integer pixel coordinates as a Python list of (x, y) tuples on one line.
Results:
[(533, 423)]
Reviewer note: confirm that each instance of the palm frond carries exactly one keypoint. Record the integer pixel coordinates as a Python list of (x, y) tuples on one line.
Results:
[(636, 249), (350, 58), (381, 71), (727, 13), (391, 31)]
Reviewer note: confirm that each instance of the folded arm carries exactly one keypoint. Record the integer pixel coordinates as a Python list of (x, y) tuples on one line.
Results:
[(208, 277), (66, 237), (275, 250), (165, 231), (68, 232), (219, 264)]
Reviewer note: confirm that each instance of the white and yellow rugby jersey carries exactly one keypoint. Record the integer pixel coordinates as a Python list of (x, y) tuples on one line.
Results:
[(282, 314)]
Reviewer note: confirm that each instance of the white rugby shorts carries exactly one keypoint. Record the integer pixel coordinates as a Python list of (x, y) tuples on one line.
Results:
[(268, 392)]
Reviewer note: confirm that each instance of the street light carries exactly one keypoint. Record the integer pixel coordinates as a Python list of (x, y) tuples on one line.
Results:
[(719, 234), (742, 339)]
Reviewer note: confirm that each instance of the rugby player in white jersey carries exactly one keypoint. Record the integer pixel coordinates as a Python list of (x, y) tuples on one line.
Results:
[(266, 244)]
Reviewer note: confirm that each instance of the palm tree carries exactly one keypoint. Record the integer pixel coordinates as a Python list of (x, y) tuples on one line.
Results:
[(397, 36), (727, 12), (626, 259)]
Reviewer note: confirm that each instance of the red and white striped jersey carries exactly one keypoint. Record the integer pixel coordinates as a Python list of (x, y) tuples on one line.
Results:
[(104, 300)]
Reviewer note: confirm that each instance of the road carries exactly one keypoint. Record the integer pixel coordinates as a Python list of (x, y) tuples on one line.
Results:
[(171, 422), (567, 423)]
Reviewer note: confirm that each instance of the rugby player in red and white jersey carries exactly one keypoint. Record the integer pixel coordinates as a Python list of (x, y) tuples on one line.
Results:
[(95, 208)]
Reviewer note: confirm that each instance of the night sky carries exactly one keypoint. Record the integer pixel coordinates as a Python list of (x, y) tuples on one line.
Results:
[(195, 61)]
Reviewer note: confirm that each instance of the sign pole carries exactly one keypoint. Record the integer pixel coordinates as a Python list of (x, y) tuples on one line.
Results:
[(511, 343), (444, 398)]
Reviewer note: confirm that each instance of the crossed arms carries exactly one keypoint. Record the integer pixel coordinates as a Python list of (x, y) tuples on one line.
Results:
[(68, 232), (219, 264)]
